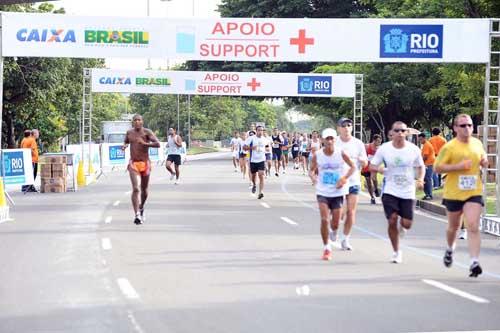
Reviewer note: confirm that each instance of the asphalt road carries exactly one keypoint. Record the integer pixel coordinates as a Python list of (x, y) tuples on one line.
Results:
[(213, 258)]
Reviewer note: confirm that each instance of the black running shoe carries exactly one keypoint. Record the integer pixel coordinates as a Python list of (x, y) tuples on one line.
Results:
[(377, 192), (448, 258), (372, 201), (261, 195), (254, 189), (475, 269), (137, 220), (276, 174)]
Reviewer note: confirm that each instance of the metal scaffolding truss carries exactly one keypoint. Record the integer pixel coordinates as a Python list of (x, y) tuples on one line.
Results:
[(358, 107), (491, 124), (86, 121)]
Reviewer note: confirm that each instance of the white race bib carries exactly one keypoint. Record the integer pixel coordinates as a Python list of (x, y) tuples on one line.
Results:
[(295, 148), (400, 180), (467, 183)]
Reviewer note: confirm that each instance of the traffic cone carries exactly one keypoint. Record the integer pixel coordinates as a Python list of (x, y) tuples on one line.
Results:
[(4, 208), (80, 177), (3, 202)]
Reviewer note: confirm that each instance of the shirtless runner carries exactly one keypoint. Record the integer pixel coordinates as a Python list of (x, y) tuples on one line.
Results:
[(139, 166)]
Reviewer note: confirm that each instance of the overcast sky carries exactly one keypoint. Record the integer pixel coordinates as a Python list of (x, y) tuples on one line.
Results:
[(138, 8)]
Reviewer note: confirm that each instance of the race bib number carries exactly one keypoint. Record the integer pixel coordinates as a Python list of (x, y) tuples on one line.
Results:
[(295, 148), (330, 178), (275, 145), (400, 180), (467, 183)]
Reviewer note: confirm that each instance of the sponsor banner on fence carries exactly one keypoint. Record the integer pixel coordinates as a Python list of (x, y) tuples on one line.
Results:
[(223, 83), (17, 167), (76, 150), (247, 39)]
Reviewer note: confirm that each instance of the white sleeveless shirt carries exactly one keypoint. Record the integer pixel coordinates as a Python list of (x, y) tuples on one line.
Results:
[(172, 148), (330, 169)]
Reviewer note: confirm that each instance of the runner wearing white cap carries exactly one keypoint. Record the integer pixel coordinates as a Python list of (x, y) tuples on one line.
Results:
[(328, 174)]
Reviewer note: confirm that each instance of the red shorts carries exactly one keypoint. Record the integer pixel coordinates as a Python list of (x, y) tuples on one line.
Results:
[(141, 167)]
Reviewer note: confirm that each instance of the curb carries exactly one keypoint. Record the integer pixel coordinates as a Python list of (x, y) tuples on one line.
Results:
[(431, 207)]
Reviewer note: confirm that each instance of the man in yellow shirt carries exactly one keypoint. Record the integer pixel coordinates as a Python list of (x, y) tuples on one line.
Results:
[(437, 141), (462, 159), (428, 156), (29, 142)]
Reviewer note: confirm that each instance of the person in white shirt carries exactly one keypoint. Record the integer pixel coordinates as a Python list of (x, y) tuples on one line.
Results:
[(256, 145), (397, 160), (356, 151), (234, 150), (174, 146), (328, 174), (269, 155)]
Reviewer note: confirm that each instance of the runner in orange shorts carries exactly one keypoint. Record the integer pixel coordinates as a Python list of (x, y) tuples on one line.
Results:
[(139, 166)]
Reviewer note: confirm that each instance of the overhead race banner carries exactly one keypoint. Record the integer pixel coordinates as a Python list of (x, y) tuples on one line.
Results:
[(247, 39), (224, 83)]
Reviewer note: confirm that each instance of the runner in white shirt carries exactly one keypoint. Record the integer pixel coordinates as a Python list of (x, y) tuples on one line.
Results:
[(256, 145), (356, 151), (304, 152), (328, 175), (234, 150), (399, 158)]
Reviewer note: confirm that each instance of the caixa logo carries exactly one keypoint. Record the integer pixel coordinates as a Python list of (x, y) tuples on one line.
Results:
[(314, 85), (411, 41), (115, 80), (46, 35)]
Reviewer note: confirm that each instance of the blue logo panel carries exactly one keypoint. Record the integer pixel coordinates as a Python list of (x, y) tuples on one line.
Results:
[(411, 41), (13, 162), (154, 154), (314, 85), (116, 155)]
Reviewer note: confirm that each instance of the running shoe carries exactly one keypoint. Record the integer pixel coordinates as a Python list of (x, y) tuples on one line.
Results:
[(177, 182), (372, 201), (261, 195), (254, 189), (346, 246), (235, 170), (475, 269), (327, 255), (137, 219), (448, 258), (377, 192), (463, 234), (277, 174), (172, 176), (397, 257)]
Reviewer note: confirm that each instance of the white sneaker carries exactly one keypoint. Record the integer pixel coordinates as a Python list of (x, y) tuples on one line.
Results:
[(402, 232), (177, 182), (235, 170), (463, 234), (346, 246), (397, 257), (333, 236), (172, 176)]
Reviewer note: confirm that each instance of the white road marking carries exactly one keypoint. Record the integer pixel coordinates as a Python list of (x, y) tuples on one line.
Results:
[(128, 193), (116, 203), (265, 205), (289, 221), (455, 291), (108, 219), (303, 290), (127, 288), (134, 322), (106, 244)]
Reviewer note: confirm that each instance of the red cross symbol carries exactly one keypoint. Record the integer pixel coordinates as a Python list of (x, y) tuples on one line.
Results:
[(254, 84), (302, 41)]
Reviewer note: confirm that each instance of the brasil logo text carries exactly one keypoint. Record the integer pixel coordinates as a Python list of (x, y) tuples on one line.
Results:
[(121, 38), (411, 41)]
